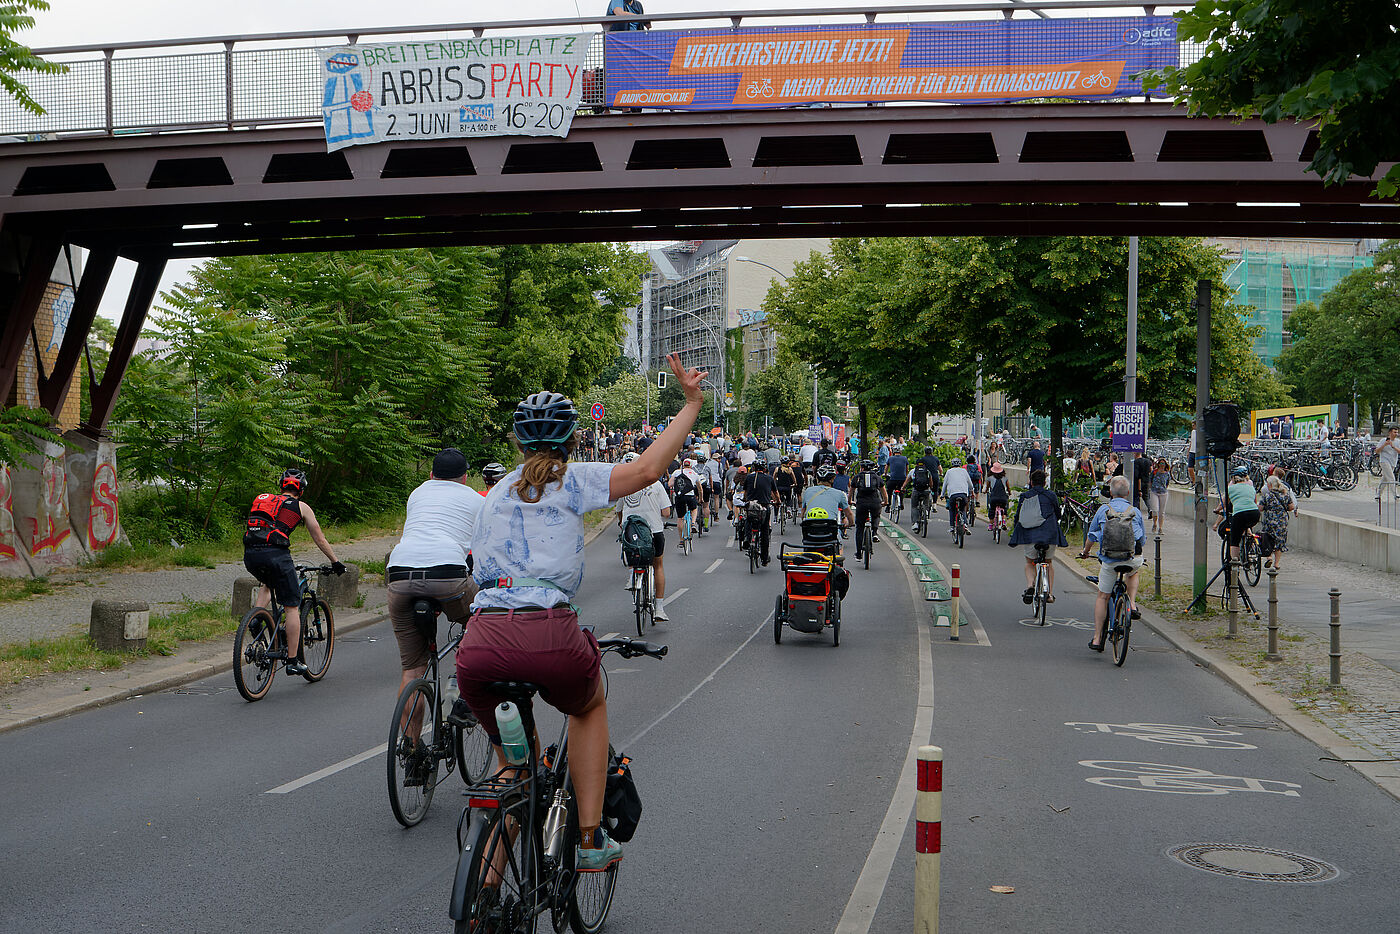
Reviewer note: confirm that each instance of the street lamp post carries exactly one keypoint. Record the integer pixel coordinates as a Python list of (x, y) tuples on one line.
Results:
[(816, 417), (719, 350)]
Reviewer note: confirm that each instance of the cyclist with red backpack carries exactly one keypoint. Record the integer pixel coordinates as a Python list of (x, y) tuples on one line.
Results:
[(267, 555)]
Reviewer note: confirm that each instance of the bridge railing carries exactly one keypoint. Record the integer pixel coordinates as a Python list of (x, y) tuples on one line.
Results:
[(233, 82)]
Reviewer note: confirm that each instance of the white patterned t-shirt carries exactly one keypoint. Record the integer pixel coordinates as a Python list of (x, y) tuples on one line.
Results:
[(544, 540)]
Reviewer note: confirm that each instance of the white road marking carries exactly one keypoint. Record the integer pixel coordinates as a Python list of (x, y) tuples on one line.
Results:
[(327, 771), (666, 601), (612, 635), (718, 562), (729, 542), (875, 875), (708, 678)]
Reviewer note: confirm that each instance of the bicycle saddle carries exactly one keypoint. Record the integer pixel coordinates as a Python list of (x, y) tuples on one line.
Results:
[(517, 691)]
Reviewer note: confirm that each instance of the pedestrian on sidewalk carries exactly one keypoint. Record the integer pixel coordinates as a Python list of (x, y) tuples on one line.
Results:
[(1275, 503), (1389, 453), (1157, 496)]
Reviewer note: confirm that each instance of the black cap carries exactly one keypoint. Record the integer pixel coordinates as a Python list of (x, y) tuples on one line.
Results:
[(449, 465)]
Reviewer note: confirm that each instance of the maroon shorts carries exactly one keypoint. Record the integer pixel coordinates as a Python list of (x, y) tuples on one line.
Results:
[(544, 647)]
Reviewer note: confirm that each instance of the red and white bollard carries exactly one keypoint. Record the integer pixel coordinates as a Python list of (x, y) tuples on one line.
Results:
[(928, 839), (957, 590)]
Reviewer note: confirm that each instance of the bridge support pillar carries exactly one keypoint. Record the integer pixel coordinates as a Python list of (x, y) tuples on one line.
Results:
[(88, 295), (138, 303), (33, 259)]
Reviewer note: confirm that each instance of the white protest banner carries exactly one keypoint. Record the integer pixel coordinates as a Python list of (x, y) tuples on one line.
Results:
[(490, 86)]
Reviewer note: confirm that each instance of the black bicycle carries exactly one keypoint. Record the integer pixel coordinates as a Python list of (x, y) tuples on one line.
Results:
[(427, 738), (1251, 560), (960, 528), (517, 835), (867, 538), (260, 644), (924, 507)]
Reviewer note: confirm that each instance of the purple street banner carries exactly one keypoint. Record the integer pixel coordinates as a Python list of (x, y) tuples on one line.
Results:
[(974, 62), (1129, 426), (452, 88)]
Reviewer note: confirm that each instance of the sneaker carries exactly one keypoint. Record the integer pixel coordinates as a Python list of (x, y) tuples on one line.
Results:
[(461, 715), (295, 667), (1135, 613), (597, 859), (875, 539), (658, 615)]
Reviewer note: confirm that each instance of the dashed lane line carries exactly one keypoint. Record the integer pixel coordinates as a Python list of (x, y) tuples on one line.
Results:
[(328, 771), (718, 562)]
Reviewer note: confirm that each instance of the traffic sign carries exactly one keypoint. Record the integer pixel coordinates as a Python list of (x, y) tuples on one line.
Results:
[(597, 411)]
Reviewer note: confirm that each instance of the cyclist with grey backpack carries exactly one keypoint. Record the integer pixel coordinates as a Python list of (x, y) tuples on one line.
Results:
[(1121, 534), (1038, 523), (651, 506)]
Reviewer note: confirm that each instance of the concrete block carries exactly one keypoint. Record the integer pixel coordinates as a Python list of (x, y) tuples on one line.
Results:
[(119, 625), (1358, 543), (342, 589), (245, 595)]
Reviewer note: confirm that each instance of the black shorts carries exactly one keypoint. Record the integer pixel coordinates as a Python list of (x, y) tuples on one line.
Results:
[(685, 504), (658, 542), (275, 568)]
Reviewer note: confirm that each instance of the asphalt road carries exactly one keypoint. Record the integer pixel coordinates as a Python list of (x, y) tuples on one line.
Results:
[(766, 772)]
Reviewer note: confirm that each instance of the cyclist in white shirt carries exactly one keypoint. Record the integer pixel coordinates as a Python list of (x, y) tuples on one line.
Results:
[(653, 504), (957, 487), (432, 559)]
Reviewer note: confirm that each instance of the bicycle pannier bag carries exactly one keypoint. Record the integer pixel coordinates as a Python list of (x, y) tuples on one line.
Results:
[(1119, 540), (638, 545), (1032, 512), (622, 806)]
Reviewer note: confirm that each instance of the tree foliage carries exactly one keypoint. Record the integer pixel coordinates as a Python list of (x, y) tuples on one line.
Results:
[(15, 57), (1335, 64), (1344, 344), (358, 366)]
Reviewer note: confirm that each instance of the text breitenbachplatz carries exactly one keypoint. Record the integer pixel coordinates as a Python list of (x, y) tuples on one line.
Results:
[(445, 84)]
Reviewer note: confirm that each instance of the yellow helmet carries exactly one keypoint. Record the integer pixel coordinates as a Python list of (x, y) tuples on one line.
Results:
[(817, 512)]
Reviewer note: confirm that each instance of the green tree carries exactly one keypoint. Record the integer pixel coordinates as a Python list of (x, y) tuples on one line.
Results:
[(624, 400), (14, 57), (1049, 314), (782, 393), (206, 414), (852, 314), (25, 431), (1343, 344), (1333, 64), (558, 313)]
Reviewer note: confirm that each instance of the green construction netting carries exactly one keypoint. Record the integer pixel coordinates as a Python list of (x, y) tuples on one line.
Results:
[(1274, 282)]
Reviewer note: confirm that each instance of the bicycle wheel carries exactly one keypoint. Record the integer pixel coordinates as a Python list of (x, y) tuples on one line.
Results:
[(253, 671), (1122, 624), (868, 543), (592, 894), (753, 553), (475, 754), (412, 766), (1344, 477), (835, 622), (1042, 598), (1251, 561), (778, 621), (493, 889), (639, 604), (317, 637)]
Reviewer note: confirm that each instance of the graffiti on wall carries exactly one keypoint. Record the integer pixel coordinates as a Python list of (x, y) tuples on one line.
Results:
[(50, 524), (8, 543), (102, 517)]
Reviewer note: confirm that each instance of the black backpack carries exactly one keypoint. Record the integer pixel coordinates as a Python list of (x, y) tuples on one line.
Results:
[(638, 546), (684, 486), (868, 481), (921, 477)]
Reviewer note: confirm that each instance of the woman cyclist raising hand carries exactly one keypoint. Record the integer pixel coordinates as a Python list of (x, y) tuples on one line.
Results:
[(528, 550)]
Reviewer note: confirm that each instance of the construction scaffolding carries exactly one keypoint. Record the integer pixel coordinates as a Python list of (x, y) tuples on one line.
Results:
[(1274, 282), (692, 278)]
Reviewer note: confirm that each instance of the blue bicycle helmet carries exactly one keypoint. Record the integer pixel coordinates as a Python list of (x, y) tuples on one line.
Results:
[(545, 420)]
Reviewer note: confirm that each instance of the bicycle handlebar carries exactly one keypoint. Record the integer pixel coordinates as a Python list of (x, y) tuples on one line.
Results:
[(323, 568), (632, 648)]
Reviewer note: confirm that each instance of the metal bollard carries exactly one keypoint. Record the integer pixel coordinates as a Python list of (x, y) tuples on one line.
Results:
[(1272, 654), (1232, 598), (1334, 676), (1157, 583), (928, 839), (956, 598)]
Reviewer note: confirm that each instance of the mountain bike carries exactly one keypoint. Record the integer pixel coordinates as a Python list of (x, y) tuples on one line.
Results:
[(1040, 598), (1120, 617), (517, 834), (424, 744), (260, 644)]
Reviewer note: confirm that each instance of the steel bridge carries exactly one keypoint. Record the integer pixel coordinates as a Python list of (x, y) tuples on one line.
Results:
[(222, 175)]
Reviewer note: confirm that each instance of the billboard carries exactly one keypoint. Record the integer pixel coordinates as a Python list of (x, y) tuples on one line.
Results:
[(1299, 423), (974, 62)]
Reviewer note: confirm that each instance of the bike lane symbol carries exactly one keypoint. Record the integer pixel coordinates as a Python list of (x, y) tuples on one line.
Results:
[(1169, 734), (1180, 779)]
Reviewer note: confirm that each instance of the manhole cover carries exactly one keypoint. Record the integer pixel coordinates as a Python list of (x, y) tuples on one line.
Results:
[(1256, 863), (1247, 723)]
